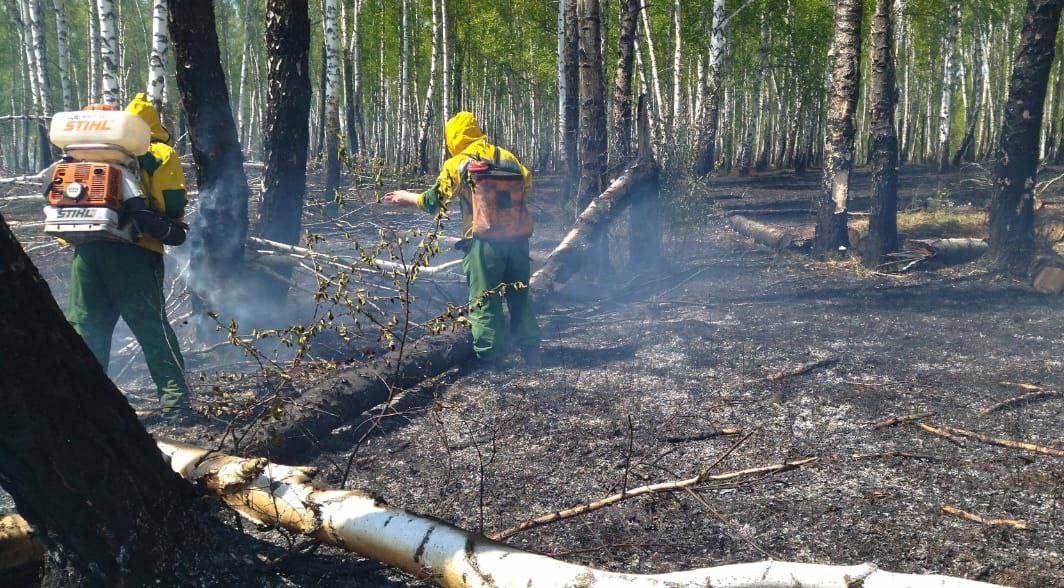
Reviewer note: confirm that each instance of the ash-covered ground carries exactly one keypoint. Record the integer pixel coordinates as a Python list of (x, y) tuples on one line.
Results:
[(642, 368)]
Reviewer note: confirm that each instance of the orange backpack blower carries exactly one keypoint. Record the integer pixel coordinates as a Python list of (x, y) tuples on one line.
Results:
[(498, 197)]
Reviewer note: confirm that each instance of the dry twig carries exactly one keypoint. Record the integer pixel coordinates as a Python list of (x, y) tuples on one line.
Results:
[(905, 418), (643, 490), (954, 435), (962, 514), (1038, 394), (798, 371), (941, 433)]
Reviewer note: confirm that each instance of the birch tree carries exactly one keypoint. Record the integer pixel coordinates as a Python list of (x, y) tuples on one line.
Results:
[(62, 48), (756, 102), (705, 150), (883, 220), (1012, 238), (572, 100), (332, 97), (622, 79), (108, 56), (160, 49), (843, 91), (950, 67), (427, 112), (286, 130)]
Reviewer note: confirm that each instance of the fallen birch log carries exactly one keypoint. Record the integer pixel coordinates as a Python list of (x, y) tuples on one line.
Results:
[(568, 257), (767, 235), (359, 522)]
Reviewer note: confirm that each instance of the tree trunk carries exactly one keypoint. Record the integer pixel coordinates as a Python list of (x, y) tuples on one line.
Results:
[(63, 55), (883, 222), (286, 130), (242, 115), (427, 112), (622, 79), (92, 90), (705, 150), (572, 102), (660, 106), (108, 57), (160, 47), (677, 65), (756, 101), (109, 509), (592, 109), (331, 35), (831, 228), (356, 133), (1012, 236), (220, 228), (950, 67)]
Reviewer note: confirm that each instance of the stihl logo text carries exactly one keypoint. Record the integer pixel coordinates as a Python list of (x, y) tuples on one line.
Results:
[(87, 125), (76, 213)]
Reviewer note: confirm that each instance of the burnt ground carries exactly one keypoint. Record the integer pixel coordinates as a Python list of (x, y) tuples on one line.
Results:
[(644, 358)]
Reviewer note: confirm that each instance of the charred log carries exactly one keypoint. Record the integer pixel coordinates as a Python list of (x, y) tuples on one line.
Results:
[(767, 235)]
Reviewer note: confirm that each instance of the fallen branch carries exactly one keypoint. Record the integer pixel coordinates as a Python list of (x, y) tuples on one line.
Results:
[(800, 370), (958, 441), (644, 490), (1021, 399), (711, 434), (906, 418), (383, 264), (357, 521), (938, 252), (963, 514), (769, 236), (952, 433)]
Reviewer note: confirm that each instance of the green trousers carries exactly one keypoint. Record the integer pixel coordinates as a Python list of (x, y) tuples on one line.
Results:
[(487, 265), (111, 279)]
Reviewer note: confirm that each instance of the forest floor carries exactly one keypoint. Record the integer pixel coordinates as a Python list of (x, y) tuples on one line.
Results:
[(641, 370)]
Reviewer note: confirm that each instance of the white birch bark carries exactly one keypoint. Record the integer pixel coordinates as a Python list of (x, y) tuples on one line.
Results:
[(677, 64), (92, 84), (62, 38), (242, 99), (560, 64), (108, 57), (332, 95), (426, 114), (358, 521), (655, 79), (40, 58), (949, 83), (160, 48), (404, 79)]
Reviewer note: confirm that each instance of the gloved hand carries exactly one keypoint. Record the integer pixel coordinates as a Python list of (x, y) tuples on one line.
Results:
[(149, 222)]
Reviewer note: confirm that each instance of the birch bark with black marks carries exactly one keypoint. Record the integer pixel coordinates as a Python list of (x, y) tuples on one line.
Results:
[(92, 84), (242, 115), (660, 106), (160, 49), (622, 79), (286, 133), (756, 101), (62, 46), (677, 65), (108, 53), (427, 106), (950, 69), (844, 89), (220, 228), (705, 150), (592, 109), (883, 221), (332, 98), (1012, 235), (572, 102)]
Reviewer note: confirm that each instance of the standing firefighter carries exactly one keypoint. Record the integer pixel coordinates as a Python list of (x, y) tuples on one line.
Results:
[(115, 276), (491, 185)]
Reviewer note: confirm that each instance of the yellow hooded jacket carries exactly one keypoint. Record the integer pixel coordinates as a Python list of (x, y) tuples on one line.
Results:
[(465, 141), (160, 170)]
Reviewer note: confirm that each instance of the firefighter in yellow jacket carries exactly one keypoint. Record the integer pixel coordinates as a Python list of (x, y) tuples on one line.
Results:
[(496, 228), (112, 279)]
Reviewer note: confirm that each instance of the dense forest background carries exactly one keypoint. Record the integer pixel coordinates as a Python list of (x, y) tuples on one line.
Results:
[(407, 61)]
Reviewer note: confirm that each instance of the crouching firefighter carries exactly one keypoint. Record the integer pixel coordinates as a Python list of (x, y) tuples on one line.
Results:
[(492, 186), (118, 196)]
